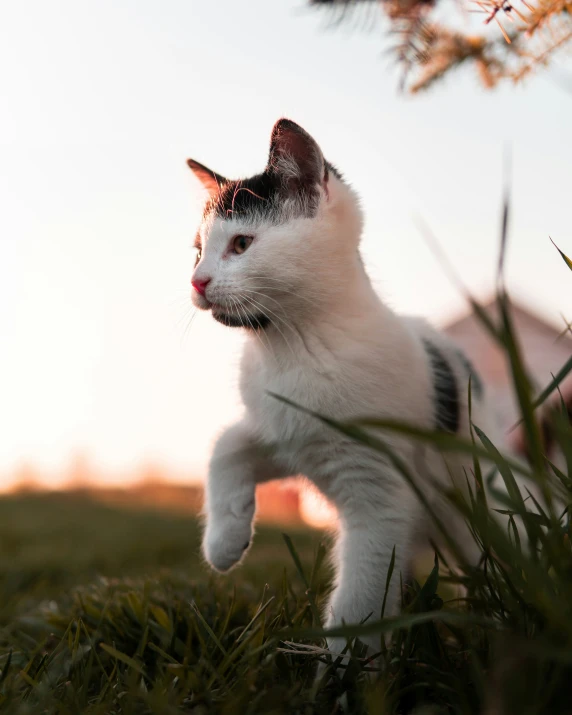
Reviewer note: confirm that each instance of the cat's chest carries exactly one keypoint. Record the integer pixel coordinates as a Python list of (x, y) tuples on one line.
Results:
[(279, 422)]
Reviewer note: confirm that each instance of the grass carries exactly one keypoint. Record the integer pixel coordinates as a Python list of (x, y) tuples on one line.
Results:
[(51, 543), (111, 610)]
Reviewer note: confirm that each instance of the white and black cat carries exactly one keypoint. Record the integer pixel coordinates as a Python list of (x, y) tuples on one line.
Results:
[(278, 255)]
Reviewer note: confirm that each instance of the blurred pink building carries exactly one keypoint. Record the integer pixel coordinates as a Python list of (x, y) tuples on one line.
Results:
[(545, 348)]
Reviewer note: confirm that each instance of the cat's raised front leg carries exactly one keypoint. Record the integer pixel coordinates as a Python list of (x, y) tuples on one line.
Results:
[(375, 516), (236, 466)]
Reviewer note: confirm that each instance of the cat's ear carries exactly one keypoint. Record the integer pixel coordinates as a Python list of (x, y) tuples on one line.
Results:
[(295, 157), (208, 178)]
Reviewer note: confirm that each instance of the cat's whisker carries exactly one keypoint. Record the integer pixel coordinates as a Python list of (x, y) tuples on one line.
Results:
[(265, 312), (271, 279), (181, 303), (308, 291), (240, 310), (251, 291), (187, 310), (305, 298), (236, 302), (188, 325), (260, 310), (281, 319)]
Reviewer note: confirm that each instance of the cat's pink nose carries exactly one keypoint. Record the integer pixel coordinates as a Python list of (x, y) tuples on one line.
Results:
[(200, 284)]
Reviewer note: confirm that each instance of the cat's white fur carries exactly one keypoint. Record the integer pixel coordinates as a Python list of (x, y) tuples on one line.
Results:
[(337, 349)]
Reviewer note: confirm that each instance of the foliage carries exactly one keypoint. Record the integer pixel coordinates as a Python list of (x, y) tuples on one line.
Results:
[(523, 36)]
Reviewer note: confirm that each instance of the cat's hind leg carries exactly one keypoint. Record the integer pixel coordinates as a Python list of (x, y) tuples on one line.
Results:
[(376, 516)]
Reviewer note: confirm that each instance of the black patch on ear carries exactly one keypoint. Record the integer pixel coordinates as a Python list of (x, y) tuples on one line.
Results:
[(257, 195), (447, 411)]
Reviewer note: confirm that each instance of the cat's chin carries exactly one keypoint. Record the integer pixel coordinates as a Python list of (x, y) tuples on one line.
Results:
[(248, 320)]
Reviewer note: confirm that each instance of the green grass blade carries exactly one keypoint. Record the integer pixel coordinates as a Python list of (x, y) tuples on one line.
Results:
[(300, 569), (207, 628), (118, 655), (565, 258), (388, 581)]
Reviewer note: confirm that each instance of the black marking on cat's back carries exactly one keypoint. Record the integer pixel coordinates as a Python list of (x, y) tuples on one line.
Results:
[(447, 408)]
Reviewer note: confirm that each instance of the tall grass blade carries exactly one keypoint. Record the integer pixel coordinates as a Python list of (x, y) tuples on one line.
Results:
[(565, 258)]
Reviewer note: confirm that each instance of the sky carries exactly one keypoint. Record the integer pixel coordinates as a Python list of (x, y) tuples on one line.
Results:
[(101, 103)]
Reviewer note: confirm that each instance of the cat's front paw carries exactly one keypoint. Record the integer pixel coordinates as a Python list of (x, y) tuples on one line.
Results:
[(226, 541)]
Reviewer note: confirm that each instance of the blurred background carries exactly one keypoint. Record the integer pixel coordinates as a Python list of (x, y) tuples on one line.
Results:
[(108, 381)]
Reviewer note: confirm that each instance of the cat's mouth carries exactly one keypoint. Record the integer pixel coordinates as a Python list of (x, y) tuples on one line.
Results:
[(239, 319)]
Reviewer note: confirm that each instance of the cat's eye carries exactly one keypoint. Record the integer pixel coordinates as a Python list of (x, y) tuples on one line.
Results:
[(198, 254), (241, 243)]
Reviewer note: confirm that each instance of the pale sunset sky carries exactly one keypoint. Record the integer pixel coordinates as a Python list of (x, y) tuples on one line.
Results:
[(102, 102)]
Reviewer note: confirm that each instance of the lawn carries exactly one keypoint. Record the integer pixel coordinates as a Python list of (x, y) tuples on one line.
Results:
[(109, 610)]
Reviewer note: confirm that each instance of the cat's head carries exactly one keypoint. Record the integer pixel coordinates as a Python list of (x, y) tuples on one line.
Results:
[(277, 242)]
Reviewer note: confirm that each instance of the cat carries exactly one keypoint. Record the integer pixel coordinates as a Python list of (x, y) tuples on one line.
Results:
[(278, 255)]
